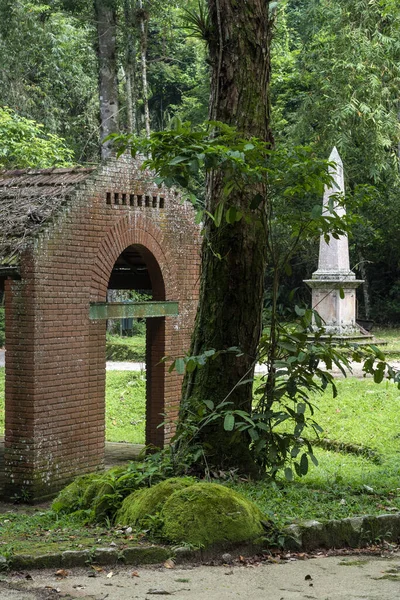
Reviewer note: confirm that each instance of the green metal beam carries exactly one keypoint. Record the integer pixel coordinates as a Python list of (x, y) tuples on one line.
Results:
[(125, 310)]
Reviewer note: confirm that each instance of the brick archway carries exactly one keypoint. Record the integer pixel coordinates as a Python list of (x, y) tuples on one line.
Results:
[(162, 388), (55, 355)]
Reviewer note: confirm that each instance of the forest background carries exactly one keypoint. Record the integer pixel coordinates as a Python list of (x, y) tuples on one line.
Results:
[(335, 81)]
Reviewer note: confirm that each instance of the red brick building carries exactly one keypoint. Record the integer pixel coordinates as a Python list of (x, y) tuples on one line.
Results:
[(67, 236)]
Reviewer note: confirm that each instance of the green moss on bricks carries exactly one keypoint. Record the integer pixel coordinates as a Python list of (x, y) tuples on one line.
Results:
[(137, 507), (207, 514)]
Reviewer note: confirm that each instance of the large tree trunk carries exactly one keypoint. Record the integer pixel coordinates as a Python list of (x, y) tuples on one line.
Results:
[(108, 85), (231, 287)]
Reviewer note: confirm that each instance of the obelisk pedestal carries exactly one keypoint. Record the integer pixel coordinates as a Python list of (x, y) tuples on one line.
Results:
[(334, 285)]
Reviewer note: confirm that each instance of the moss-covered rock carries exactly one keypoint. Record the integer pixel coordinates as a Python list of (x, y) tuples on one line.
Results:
[(207, 513), (138, 506), (93, 491), (70, 498)]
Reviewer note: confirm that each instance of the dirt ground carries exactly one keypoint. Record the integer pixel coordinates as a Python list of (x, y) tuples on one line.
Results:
[(353, 577)]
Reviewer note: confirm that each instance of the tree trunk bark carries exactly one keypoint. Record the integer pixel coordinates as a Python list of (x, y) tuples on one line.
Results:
[(365, 287), (130, 67), (232, 287), (108, 85), (143, 20)]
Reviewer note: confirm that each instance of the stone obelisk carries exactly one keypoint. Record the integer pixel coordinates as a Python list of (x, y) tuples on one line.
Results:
[(334, 279)]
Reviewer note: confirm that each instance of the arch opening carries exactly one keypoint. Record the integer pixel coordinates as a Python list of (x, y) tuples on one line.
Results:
[(137, 276)]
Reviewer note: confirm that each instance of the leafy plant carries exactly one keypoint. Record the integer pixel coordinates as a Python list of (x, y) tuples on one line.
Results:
[(24, 143)]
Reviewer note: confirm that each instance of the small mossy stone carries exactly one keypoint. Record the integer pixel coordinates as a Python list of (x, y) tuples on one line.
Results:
[(70, 498), (208, 513), (139, 505), (83, 491), (95, 489)]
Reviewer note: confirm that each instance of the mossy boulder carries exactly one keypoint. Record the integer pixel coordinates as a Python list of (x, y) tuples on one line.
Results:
[(70, 498), (148, 502), (93, 491), (210, 514)]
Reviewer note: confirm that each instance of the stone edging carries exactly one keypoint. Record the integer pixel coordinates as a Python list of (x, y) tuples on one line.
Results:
[(353, 532)]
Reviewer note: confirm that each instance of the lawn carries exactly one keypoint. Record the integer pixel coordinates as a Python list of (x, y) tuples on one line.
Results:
[(343, 484), (126, 348), (364, 414), (125, 406), (392, 338)]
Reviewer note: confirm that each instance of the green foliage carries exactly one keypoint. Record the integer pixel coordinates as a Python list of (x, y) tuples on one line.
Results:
[(343, 484), (49, 71), (100, 495), (207, 514), (281, 426), (288, 181), (23, 143)]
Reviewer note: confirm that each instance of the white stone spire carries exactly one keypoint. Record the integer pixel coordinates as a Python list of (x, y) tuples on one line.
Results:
[(334, 278), (334, 256)]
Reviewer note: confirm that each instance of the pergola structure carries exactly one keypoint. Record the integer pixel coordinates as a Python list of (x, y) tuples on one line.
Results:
[(67, 236)]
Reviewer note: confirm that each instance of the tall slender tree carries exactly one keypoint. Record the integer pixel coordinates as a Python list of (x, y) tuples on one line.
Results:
[(105, 13)]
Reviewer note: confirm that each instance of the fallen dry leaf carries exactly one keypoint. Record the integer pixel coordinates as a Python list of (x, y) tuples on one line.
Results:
[(169, 564), (97, 569), (61, 573)]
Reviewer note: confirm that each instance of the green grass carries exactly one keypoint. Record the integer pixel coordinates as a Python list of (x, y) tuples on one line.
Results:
[(45, 532), (344, 485), (392, 338), (126, 348), (126, 406)]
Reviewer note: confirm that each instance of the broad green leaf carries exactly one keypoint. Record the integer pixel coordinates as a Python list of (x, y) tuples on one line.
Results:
[(304, 464), (288, 474), (218, 214), (209, 404), (180, 366), (229, 422), (177, 160)]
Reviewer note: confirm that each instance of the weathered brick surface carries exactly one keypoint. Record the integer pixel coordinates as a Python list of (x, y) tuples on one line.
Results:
[(55, 359)]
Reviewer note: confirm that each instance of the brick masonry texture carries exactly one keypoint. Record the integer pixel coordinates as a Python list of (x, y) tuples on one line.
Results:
[(55, 359)]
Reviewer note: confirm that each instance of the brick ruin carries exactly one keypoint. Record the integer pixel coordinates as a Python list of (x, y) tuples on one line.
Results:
[(68, 235)]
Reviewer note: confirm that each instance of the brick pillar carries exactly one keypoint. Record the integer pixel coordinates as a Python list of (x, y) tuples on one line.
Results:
[(155, 380), (19, 390)]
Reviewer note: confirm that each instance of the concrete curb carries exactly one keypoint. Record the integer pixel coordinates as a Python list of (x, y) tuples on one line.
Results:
[(352, 532)]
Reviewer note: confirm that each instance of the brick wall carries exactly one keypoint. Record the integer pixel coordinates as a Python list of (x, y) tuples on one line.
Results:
[(55, 359)]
